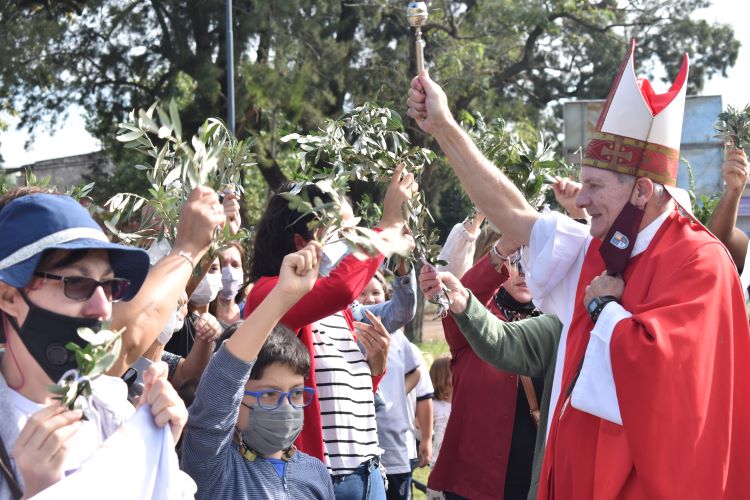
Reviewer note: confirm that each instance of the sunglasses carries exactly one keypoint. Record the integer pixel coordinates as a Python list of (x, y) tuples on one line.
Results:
[(81, 289)]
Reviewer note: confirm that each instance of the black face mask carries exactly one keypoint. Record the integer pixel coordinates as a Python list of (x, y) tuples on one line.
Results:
[(45, 334)]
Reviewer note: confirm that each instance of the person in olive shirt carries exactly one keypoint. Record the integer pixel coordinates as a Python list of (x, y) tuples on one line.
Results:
[(526, 347)]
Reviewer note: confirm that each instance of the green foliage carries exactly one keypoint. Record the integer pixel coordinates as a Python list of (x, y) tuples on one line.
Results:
[(213, 157), (704, 205), (327, 223), (363, 144), (733, 127), (301, 61), (93, 360), (530, 167), (452, 205), (366, 144)]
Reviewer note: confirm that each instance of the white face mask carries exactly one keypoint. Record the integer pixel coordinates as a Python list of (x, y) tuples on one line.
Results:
[(207, 289), (173, 325), (232, 279)]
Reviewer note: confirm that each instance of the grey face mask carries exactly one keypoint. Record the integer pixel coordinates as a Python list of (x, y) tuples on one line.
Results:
[(273, 430)]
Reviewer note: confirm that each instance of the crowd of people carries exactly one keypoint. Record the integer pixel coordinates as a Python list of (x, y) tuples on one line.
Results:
[(596, 352)]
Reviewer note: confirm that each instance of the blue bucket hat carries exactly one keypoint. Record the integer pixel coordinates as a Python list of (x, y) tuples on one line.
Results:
[(34, 224)]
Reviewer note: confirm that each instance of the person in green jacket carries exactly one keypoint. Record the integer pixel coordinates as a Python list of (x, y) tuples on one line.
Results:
[(526, 347)]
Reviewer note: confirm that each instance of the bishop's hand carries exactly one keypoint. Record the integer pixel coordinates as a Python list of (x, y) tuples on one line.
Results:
[(602, 285)]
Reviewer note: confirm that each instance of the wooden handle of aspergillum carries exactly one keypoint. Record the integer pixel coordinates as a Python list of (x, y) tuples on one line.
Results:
[(420, 57), (419, 51)]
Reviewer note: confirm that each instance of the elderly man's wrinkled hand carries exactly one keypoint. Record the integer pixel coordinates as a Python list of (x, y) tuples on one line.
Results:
[(602, 285)]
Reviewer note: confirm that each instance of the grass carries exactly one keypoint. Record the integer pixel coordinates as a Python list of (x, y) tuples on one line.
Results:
[(420, 474), (434, 348), (430, 351)]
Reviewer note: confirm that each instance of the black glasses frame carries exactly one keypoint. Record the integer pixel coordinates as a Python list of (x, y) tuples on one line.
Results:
[(114, 288)]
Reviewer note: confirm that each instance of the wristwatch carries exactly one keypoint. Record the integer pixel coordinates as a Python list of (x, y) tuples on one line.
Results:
[(597, 304)]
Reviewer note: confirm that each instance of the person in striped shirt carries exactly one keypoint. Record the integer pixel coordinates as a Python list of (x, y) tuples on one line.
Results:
[(340, 422)]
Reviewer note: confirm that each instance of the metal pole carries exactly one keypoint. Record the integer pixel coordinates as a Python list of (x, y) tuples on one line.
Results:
[(230, 69)]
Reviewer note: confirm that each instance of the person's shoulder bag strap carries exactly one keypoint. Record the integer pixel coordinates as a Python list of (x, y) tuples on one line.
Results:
[(528, 388)]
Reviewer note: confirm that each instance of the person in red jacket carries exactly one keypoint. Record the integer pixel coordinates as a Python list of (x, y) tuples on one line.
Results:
[(488, 446), (340, 426)]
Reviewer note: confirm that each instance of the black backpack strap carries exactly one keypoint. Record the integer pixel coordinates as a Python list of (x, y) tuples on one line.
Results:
[(7, 470)]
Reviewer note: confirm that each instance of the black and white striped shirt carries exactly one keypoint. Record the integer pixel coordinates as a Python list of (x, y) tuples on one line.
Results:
[(345, 393)]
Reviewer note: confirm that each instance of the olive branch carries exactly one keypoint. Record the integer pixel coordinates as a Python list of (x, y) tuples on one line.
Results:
[(93, 360)]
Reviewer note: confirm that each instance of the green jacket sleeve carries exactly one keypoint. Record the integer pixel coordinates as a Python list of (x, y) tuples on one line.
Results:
[(525, 347)]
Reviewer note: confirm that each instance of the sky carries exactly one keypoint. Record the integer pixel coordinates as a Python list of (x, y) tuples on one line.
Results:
[(71, 138)]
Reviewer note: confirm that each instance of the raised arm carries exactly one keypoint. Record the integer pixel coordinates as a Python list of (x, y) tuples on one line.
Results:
[(145, 315), (398, 311), (525, 347), (724, 218), (460, 245), (491, 191), (214, 412)]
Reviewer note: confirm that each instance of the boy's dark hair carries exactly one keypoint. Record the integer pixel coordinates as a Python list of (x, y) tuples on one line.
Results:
[(283, 347), (274, 237)]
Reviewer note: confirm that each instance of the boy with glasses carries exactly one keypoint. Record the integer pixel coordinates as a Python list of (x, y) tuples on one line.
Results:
[(248, 408)]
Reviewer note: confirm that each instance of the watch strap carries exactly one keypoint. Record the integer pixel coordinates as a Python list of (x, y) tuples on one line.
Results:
[(601, 301)]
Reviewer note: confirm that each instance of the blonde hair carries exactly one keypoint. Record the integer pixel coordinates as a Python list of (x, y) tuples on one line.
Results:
[(442, 377), (487, 237)]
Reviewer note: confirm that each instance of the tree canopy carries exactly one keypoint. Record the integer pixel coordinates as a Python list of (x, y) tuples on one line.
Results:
[(300, 61)]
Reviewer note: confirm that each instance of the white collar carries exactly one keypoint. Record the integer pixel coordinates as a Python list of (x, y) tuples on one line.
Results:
[(644, 238)]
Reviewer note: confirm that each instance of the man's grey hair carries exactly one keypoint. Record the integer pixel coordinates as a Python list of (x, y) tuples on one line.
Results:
[(660, 196)]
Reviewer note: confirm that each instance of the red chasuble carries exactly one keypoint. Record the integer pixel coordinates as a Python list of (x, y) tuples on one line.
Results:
[(680, 364)]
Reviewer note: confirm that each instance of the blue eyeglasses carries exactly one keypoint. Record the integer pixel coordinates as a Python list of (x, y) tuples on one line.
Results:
[(271, 399)]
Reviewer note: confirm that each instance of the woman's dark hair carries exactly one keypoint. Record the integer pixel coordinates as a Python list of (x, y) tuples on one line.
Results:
[(274, 237)]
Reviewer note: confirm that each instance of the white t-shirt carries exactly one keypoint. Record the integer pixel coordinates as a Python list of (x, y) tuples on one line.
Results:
[(423, 390), (441, 411), (394, 424)]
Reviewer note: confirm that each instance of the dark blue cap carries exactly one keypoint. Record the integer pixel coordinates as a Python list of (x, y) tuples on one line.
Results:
[(33, 224)]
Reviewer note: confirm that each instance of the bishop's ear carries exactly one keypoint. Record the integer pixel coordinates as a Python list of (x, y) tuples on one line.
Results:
[(643, 192)]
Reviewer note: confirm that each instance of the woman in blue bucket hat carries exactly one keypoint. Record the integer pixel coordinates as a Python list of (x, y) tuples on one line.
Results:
[(59, 273)]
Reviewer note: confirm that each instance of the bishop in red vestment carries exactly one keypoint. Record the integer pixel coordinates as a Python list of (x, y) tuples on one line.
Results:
[(655, 344)]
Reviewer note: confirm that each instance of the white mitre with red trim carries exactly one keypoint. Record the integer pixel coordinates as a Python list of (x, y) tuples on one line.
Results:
[(638, 132)]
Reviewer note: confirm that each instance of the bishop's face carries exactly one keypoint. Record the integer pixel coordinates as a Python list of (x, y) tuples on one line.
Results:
[(603, 195)]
